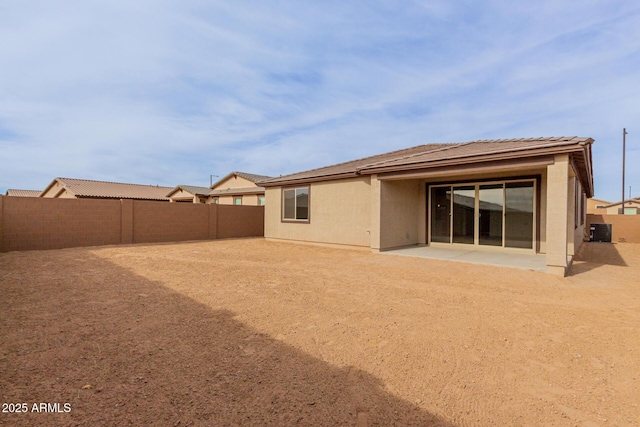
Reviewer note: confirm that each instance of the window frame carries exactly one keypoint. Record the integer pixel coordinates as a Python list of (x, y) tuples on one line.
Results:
[(282, 207)]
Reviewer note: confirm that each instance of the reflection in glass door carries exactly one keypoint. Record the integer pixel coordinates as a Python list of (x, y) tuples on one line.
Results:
[(464, 206), (490, 214), (518, 218), (440, 214)]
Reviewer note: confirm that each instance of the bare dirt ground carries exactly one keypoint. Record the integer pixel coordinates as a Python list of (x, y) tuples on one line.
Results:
[(250, 332)]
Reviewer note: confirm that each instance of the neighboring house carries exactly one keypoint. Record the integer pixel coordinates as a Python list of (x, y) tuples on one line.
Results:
[(71, 188), (596, 206), (631, 207), (236, 188), (23, 193), (513, 195), (189, 193)]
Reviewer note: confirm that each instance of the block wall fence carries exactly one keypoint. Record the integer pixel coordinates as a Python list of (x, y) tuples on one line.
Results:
[(624, 228), (32, 223)]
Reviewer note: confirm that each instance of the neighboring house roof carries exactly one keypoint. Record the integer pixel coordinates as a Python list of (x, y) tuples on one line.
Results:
[(195, 190), (634, 200), (437, 155), (111, 190), (238, 191), (23, 193), (600, 200), (249, 176)]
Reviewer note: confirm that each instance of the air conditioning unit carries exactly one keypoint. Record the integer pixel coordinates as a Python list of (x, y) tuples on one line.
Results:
[(600, 233)]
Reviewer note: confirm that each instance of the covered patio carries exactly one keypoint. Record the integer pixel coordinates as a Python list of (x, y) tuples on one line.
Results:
[(475, 255)]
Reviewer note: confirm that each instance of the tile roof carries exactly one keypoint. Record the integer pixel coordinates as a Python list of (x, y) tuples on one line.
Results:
[(193, 189), (246, 190), (430, 155), (480, 148), (113, 190), (351, 167), (23, 193), (251, 176), (634, 200)]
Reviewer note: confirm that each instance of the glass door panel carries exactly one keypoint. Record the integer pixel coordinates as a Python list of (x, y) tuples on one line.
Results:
[(441, 214), (464, 206), (490, 219), (519, 215)]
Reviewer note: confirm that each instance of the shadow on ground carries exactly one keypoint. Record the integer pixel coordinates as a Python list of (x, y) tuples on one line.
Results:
[(595, 254), (123, 350)]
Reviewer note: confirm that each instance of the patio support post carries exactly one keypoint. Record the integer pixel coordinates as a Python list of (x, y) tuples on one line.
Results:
[(558, 214)]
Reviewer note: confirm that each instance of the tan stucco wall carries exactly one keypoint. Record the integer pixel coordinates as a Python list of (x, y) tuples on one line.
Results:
[(182, 195), (340, 213), (558, 215), (234, 182), (581, 225), (592, 206), (400, 213), (55, 188), (613, 210), (247, 199)]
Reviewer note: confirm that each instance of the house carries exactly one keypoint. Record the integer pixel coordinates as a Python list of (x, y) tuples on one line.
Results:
[(235, 188), (631, 207), (238, 188), (71, 188), (596, 206), (189, 193), (510, 195), (23, 193)]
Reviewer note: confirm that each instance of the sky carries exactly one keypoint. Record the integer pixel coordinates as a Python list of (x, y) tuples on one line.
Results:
[(171, 92)]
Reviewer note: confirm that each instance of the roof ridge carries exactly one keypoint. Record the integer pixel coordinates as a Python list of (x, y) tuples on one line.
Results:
[(358, 160), (549, 141), (111, 182), (442, 147)]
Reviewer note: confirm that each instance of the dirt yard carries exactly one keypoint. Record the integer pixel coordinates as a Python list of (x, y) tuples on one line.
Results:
[(250, 332)]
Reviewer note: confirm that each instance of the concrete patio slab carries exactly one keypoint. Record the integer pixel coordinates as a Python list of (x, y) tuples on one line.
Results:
[(475, 256)]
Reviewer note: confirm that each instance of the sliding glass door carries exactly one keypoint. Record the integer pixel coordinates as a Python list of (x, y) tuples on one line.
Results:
[(498, 214), (464, 205), (441, 214), (518, 217), (490, 214)]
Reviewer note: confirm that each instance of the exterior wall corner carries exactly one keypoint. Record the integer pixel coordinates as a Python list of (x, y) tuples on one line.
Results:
[(558, 214)]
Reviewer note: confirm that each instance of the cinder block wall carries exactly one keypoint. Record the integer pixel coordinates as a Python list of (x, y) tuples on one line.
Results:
[(28, 223), (169, 222), (624, 228), (233, 222), (35, 223)]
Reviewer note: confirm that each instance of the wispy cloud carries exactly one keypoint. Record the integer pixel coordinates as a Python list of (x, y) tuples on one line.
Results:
[(170, 92)]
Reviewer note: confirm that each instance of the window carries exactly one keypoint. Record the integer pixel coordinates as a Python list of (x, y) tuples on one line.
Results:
[(237, 200), (216, 200), (295, 204), (260, 200)]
